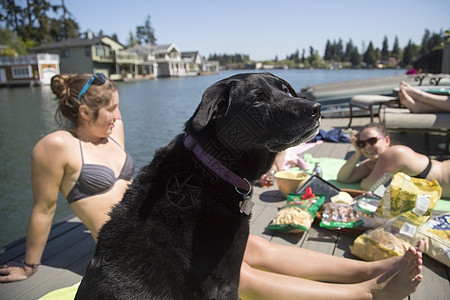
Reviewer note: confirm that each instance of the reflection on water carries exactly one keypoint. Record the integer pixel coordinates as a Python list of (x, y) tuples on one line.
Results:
[(153, 112)]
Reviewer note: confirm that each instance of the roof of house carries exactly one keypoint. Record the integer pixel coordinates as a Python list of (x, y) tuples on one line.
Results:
[(74, 42)]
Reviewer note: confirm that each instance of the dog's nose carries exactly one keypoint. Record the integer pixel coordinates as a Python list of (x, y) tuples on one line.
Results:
[(313, 109)]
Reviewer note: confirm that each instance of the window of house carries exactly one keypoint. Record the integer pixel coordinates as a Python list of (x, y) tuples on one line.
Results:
[(87, 51), (64, 53), (100, 51), (22, 72)]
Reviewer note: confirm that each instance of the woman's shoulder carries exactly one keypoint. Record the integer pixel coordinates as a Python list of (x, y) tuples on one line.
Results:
[(59, 140), (400, 152)]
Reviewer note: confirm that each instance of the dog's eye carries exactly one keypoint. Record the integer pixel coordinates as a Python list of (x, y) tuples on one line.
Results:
[(285, 89)]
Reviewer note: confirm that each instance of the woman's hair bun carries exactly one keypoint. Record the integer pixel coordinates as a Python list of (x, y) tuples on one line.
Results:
[(60, 85)]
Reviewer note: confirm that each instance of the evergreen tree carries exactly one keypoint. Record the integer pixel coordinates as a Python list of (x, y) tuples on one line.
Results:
[(328, 51), (131, 40), (409, 54), (146, 34), (339, 51), (369, 56), (385, 50), (396, 49), (311, 55), (349, 48), (355, 57)]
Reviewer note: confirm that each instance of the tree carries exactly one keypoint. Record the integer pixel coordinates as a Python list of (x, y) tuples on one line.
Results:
[(355, 57), (369, 56), (339, 51), (32, 22), (131, 40), (349, 48), (15, 45), (409, 54), (395, 49), (146, 34), (328, 51), (385, 50)]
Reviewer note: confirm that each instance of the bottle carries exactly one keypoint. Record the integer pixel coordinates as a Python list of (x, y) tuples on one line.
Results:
[(317, 170), (270, 179)]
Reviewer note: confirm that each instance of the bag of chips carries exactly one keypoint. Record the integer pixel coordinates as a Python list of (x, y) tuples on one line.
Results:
[(436, 232), (297, 214), (406, 205), (338, 215), (406, 193)]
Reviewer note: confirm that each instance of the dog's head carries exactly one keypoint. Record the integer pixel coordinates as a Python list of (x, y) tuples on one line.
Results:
[(255, 110)]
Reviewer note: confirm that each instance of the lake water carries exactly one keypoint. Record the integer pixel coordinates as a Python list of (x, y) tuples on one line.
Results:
[(153, 111)]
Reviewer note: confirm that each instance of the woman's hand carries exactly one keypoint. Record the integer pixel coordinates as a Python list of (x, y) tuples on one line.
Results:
[(354, 139), (14, 273)]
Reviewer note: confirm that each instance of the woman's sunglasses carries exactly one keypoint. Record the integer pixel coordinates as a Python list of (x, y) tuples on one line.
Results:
[(97, 79), (371, 141)]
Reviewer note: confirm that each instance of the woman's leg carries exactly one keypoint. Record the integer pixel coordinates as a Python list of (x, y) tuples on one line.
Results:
[(400, 280), (420, 101), (304, 263)]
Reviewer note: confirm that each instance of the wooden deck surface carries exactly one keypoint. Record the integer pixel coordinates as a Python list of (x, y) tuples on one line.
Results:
[(70, 246)]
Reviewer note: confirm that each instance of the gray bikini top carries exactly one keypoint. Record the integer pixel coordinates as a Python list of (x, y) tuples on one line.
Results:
[(97, 179)]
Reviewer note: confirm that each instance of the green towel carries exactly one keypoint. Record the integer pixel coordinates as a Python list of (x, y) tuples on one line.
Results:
[(331, 167), (67, 293)]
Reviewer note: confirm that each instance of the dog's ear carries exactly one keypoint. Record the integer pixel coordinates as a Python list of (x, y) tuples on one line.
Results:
[(215, 102)]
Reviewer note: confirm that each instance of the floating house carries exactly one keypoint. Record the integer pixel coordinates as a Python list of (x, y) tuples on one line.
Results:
[(103, 54), (34, 69), (85, 55)]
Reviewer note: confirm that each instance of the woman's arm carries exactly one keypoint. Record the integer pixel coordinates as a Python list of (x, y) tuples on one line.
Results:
[(350, 172), (47, 171)]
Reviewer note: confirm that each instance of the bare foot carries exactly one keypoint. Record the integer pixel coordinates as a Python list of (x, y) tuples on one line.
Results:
[(403, 279), (412, 104)]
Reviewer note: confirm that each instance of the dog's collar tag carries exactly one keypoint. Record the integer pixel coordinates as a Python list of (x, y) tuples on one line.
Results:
[(246, 205)]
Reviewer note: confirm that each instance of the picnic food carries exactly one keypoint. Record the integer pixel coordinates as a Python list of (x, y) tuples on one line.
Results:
[(342, 197), (297, 214), (403, 194), (436, 232), (294, 215), (378, 244), (337, 215)]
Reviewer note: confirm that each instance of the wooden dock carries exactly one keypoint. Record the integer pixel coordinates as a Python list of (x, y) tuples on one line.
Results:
[(70, 246)]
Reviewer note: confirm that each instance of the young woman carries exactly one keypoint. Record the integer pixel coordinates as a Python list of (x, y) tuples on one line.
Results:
[(94, 148), (87, 163), (374, 143)]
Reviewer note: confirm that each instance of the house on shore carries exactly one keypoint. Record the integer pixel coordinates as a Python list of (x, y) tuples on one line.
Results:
[(85, 55), (102, 54), (26, 70)]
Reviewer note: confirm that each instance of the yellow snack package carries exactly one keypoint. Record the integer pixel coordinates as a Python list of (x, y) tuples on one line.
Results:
[(406, 193), (406, 205)]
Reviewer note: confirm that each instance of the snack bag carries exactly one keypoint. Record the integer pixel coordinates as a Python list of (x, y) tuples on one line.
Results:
[(377, 244), (297, 214), (394, 238), (436, 232), (403, 195), (337, 215)]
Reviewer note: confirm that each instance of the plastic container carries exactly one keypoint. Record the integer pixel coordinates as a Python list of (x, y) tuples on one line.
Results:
[(289, 182), (365, 206)]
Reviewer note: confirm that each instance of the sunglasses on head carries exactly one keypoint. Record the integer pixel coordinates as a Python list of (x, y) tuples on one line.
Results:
[(371, 141), (97, 79)]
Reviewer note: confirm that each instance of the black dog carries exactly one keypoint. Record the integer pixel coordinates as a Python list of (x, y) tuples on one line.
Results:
[(181, 229)]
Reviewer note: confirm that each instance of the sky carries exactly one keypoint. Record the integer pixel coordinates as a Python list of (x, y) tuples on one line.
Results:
[(265, 29)]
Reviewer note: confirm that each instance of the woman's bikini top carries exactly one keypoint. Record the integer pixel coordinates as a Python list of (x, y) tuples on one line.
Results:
[(425, 172), (97, 179)]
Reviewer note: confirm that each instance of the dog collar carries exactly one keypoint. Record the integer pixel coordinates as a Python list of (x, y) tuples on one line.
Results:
[(223, 172)]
